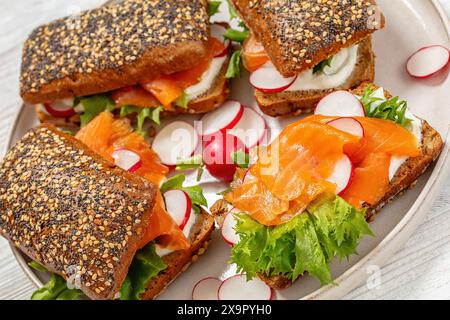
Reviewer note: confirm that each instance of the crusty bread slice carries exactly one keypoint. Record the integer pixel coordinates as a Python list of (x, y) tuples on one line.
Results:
[(209, 101), (297, 35), (179, 261), (405, 178), (298, 102), (111, 47), (54, 208)]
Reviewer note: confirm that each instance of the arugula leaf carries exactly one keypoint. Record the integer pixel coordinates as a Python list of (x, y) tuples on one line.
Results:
[(236, 35), (142, 114), (213, 7), (322, 65), (392, 109), (94, 105), (145, 266), (308, 243), (51, 290), (173, 183), (183, 100), (234, 67), (37, 266), (195, 193), (232, 10), (241, 158)]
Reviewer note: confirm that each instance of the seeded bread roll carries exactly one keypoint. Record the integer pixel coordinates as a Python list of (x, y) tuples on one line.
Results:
[(112, 47), (297, 35), (298, 102), (405, 178), (72, 211)]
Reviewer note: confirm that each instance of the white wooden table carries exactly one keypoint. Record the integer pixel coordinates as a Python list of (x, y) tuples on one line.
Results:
[(421, 270)]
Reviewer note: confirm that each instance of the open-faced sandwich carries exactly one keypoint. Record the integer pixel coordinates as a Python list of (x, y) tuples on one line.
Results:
[(307, 197), (299, 51), (138, 57), (93, 211)]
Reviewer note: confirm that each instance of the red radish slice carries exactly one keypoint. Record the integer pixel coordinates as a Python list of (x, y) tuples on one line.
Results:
[(228, 232), (206, 289), (178, 205), (60, 108), (218, 31), (177, 140), (238, 288), (348, 125), (342, 174), (127, 160), (428, 61), (341, 104), (251, 129), (268, 79), (221, 119)]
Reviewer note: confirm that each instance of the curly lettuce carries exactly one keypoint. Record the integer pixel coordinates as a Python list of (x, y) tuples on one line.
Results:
[(307, 243)]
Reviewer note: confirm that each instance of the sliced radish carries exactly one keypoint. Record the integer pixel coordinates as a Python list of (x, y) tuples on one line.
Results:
[(223, 118), (178, 205), (177, 140), (341, 104), (428, 61), (228, 229), (206, 289), (348, 125), (238, 288), (127, 160), (251, 129), (268, 79), (218, 31), (61, 108), (342, 174)]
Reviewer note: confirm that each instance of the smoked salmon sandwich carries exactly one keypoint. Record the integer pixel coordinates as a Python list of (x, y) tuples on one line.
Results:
[(136, 57), (309, 195), (299, 51), (97, 214)]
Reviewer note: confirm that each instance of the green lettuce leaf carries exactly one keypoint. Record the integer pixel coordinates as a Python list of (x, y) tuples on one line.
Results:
[(145, 266), (141, 115), (307, 243), (55, 288), (234, 68), (94, 105), (392, 109), (322, 65), (183, 100), (232, 10), (195, 193), (236, 35), (213, 7)]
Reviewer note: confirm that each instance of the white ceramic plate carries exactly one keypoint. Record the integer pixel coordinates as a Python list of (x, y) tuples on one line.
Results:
[(411, 24)]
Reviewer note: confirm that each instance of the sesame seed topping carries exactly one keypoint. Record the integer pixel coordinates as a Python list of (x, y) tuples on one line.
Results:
[(59, 222), (108, 38)]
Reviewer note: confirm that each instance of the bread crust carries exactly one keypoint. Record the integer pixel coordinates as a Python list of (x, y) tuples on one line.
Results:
[(404, 179), (297, 36), (299, 102), (113, 47), (179, 261), (51, 209)]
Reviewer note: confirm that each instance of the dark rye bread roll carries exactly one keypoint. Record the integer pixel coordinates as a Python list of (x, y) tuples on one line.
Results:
[(405, 178), (297, 102), (297, 35), (112, 47), (69, 209)]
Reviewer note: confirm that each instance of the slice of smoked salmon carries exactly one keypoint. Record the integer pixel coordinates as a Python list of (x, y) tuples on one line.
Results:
[(104, 135), (370, 181), (253, 54), (135, 96)]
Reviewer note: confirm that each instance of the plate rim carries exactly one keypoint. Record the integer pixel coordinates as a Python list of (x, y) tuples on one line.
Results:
[(378, 255)]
